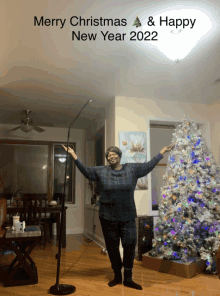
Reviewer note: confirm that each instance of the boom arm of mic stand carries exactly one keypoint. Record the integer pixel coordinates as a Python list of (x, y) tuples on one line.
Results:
[(58, 289)]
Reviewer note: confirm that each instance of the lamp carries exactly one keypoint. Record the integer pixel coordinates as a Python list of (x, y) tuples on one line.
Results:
[(64, 289), (177, 42), (62, 159), (26, 128)]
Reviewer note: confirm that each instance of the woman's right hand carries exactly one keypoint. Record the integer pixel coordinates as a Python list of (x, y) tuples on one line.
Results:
[(71, 151)]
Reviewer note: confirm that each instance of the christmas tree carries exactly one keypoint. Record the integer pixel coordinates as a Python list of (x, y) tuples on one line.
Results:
[(189, 209), (137, 22)]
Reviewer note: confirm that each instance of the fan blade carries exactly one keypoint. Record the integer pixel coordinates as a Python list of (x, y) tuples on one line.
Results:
[(16, 128), (37, 128)]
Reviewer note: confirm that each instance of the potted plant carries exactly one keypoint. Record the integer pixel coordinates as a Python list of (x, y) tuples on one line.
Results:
[(7, 192)]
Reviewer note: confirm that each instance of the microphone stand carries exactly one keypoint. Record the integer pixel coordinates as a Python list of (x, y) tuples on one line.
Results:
[(58, 289)]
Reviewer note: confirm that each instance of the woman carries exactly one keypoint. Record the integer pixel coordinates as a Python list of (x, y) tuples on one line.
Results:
[(117, 211)]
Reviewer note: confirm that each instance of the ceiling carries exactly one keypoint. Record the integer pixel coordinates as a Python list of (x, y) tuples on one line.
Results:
[(43, 70)]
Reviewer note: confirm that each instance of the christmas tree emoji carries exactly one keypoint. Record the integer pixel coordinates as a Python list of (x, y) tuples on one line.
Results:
[(137, 22), (189, 209)]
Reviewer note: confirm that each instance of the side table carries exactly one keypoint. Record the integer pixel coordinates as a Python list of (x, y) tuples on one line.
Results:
[(22, 244)]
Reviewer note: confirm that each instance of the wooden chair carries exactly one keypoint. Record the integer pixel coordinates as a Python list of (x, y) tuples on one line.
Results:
[(57, 196), (47, 216), (35, 213)]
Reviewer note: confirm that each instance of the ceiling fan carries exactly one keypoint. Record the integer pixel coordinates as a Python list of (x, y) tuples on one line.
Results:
[(27, 124)]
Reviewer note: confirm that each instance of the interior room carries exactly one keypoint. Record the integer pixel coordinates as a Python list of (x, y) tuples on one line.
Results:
[(84, 74)]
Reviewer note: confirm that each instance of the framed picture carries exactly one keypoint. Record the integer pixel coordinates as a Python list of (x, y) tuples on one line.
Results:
[(134, 150)]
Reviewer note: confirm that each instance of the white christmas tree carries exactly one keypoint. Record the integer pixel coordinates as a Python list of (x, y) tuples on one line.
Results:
[(189, 211)]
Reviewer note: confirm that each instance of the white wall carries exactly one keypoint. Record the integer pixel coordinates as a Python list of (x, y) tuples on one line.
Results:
[(110, 125), (75, 213), (214, 118), (91, 214), (96, 125), (133, 114)]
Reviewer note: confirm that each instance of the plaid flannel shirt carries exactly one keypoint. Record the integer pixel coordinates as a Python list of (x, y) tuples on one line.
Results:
[(117, 187)]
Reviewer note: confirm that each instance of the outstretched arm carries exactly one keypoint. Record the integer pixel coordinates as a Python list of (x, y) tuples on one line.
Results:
[(143, 169), (71, 152), (89, 173), (167, 148)]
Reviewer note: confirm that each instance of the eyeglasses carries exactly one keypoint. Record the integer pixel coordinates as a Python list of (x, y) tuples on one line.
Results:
[(113, 154)]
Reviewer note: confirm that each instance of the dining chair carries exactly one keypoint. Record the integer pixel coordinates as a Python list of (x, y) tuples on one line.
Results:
[(47, 221), (35, 213)]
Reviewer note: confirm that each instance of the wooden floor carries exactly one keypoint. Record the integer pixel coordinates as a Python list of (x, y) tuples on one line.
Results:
[(84, 266)]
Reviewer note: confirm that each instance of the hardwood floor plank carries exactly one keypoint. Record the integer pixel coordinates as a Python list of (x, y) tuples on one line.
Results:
[(83, 266)]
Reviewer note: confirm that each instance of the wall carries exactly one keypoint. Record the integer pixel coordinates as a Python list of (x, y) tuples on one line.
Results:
[(132, 114), (96, 124), (110, 125), (91, 212), (214, 118), (75, 213)]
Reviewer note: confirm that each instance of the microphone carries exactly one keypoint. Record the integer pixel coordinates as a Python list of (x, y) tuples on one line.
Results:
[(58, 289)]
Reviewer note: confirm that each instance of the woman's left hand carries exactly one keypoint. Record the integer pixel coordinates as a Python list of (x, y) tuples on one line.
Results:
[(167, 148)]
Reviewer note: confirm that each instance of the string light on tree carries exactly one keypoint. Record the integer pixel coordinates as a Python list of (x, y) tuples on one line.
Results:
[(191, 197)]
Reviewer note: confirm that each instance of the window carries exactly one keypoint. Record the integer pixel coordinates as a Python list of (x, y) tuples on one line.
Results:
[(156, 184), (160, 136), (59, 173), (25, 167), (37, 167)]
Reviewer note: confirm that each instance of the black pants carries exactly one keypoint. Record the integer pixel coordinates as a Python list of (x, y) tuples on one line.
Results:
[(113, 231)]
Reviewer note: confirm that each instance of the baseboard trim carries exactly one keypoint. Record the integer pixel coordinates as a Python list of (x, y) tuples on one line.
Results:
[(68, 230), (97, 239), (100, 241), (74, 230)]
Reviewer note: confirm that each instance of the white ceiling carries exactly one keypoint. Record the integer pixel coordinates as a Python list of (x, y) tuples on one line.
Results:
[(43, 70)]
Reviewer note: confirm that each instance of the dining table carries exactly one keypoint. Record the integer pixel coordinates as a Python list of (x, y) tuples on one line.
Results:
[(54, 211)]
